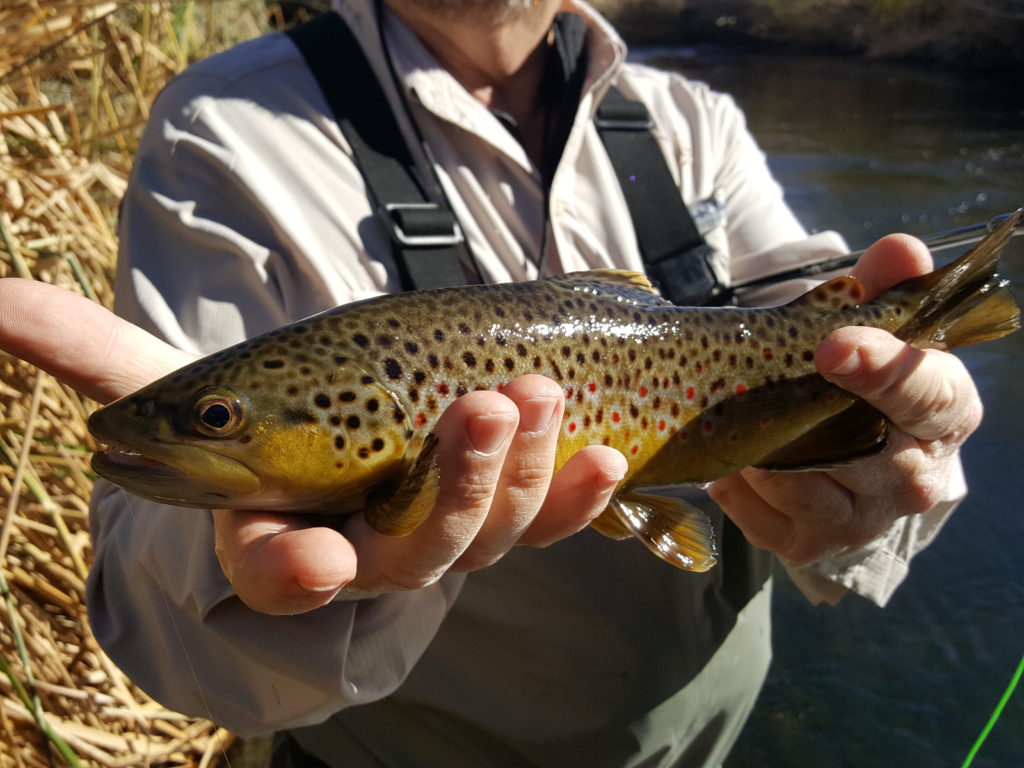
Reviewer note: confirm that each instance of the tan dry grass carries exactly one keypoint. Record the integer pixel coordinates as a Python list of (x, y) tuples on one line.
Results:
[(76, 81)]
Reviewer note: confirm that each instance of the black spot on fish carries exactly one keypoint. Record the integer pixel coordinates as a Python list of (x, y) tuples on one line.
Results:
[(439, 334), (322, 400), (469, 359), (364, 453), (347, 396), (372, 405), (419, 376), (361, 340), (509, 363), (336, 421), (393, 322), (340, 360), (398, 414), (366, 379), (384, 341), (377, 444), (273, 364), (392, 369), (299, 417), (412, 347), (339, 443), (352, 422)]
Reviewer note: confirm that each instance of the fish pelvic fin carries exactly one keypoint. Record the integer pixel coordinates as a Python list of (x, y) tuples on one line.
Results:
[(399, 509), (965, 302), (677, 532)]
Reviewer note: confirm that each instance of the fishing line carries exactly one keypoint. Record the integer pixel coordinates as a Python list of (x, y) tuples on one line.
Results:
[(995, 714), (184, 648)]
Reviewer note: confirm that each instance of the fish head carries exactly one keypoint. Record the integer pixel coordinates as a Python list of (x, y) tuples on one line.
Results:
[(249, 436)]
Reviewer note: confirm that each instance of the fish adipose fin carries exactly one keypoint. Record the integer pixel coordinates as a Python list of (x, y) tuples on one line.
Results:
[(843, 292), (856, 433), (966, 301), (677, 532), (398, 510)]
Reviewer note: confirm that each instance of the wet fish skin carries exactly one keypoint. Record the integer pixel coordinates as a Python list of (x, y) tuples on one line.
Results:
[(335, 413)]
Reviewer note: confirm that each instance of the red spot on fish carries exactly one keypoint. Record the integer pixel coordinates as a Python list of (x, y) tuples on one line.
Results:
[(616, 417), (592, 387), (690, 393), (501, 386), (699, 368), (568, 392), (635, 448), (643, 391), (664, 382), (768, 354), (741, 390), (572, 427), (442, 389), (661, 425), (421, 419)]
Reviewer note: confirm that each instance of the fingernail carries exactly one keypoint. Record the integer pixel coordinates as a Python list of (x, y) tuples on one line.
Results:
[(843, 367), (535, 413), (488, 432)]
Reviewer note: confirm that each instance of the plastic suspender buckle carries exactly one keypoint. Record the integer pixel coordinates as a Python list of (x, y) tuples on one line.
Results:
[(422, 225)]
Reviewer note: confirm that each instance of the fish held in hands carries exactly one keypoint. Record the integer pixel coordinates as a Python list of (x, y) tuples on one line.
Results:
[(335, 413)]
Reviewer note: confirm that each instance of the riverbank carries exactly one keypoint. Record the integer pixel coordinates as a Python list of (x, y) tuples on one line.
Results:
[(958, 34)]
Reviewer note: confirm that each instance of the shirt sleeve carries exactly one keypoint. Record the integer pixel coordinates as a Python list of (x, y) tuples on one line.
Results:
[(216, 247), (751, 198)]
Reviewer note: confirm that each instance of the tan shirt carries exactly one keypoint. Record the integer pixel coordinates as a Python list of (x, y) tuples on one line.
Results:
[(245, 212)]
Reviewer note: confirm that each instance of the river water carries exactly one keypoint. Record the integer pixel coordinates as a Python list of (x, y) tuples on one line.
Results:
[(867, 148)]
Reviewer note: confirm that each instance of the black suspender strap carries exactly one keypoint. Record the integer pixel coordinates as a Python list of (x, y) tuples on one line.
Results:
[(675, 254), (426, 238), (425, 235)]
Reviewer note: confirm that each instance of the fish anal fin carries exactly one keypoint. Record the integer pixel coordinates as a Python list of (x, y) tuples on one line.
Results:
[(399, 509), (677, 532), (843, 292), (855, 433)]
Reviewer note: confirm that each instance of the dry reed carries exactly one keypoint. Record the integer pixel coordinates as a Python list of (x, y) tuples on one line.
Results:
[(76, 81)]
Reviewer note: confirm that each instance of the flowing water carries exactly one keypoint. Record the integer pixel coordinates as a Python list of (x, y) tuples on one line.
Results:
[(868, 148)]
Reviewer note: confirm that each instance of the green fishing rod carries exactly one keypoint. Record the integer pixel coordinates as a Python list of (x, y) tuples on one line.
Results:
[(950, 238)]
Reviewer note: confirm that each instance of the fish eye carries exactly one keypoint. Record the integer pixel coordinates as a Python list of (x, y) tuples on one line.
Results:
[(219, 414)]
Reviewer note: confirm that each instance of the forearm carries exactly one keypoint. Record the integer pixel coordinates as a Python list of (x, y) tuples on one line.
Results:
[(163, 610)]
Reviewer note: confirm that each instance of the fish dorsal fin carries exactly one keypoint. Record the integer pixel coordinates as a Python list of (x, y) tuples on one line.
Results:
[(842, 292), (620, 282), (854, 433)]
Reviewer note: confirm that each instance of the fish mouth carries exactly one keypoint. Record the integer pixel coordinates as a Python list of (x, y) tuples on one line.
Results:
[(183, 475)]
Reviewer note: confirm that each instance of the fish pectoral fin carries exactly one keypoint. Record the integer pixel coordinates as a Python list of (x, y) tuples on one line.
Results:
[(677, 532), (855, 433), (399, 509)]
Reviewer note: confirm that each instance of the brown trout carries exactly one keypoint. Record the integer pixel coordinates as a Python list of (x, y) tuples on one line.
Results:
[(334, 413)]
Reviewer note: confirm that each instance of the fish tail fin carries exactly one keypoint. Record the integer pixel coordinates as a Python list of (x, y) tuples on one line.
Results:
[(966, 302), (677, 532)]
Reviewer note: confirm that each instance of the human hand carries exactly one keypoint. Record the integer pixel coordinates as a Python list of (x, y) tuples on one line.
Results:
[(496, 453), (928, 396)]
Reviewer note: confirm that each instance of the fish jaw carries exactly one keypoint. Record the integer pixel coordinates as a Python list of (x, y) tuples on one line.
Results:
[(190, 476)]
